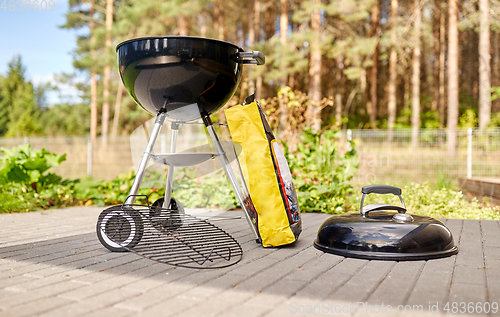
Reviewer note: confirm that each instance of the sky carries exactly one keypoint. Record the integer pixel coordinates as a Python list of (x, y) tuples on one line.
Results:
[(45, 48)]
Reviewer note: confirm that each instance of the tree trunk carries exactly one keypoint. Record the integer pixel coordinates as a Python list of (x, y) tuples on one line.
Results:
[(393, 59), (182, 25), (203, 24), (314, 107), (406, 90), (283, 39), (338, 93), (495, 80), (219, 20), (269, 18), (469, 77), (442, 52), (364, 91), (437, 48), (257, 12), (484, 65), (107, 75), (93, 80), (251, 43), (118, 104), (372, 110), (452, 78), (415, 115), (283, 107)]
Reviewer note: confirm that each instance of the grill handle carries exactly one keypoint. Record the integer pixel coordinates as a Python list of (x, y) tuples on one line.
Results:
[(381, 189), (254, 57)]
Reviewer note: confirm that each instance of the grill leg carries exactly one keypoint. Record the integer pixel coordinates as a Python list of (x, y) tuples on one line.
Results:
[(170, 175), (145, 159), (229, 172)]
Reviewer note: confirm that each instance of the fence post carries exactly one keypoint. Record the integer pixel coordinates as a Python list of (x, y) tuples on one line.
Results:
[(349, 138), (469, 153), (89, 157)]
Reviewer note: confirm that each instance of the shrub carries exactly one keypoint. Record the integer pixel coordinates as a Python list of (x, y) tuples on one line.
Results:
[(422, 199), (26, 183), (322, 169)]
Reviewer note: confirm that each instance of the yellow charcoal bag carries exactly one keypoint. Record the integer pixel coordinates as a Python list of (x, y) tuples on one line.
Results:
[(267, 175)]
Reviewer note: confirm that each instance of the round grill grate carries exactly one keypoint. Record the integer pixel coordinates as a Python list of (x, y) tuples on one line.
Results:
[(168, 236)]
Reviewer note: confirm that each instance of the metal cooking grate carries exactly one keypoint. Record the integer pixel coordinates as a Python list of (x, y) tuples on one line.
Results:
[(170, 237)]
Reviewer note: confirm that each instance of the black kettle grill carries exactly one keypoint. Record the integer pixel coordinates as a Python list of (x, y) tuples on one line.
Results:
[(379, 233), (180, 79)]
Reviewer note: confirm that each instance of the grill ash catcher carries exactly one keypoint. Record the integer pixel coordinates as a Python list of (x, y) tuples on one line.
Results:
[(179, 79)]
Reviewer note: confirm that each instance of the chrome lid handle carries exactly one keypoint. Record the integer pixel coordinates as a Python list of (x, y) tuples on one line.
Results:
[(381, 189)]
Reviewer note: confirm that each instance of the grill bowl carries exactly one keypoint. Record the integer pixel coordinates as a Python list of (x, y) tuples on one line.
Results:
[(185, 76)]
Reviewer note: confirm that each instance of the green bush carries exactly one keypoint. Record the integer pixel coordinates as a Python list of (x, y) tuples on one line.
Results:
[(192, 191), (424, 200), (322, 170), (26, 184)]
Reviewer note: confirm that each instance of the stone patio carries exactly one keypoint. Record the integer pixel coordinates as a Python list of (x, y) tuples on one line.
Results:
[(51, 264)]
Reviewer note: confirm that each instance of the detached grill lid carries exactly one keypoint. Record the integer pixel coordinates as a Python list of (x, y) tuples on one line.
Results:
[(376, 233)]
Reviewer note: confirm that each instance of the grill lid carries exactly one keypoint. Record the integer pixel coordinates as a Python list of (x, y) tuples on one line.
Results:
[(376, 233), (185, 77)]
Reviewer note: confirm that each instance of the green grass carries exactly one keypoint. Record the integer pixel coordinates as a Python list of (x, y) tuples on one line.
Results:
[(425, 200)]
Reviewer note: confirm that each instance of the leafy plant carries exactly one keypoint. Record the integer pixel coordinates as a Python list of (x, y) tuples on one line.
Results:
[(29, 167), (468, 119), (322, 170), (443, 180), (192, 192), (423, 200), (26, 183)]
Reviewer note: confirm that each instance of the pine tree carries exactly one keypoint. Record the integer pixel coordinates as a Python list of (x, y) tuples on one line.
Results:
[(18, 107)]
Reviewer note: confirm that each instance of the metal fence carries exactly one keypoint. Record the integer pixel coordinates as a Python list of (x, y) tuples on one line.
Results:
[(397, 162), (381, 161)]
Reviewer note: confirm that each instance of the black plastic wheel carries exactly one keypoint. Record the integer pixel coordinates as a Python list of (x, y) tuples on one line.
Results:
[(166, 219), (117, 228)]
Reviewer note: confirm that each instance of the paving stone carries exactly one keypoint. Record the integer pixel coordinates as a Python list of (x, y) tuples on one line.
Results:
[(92, 303), (62, 270), (313, 268), (461, 292), (36, 307), (172, 307), (294, 262), (254, 267), (216, 305), (158, 279), (398, 284), (155, 296), (111, 268), (297, 307), (328, 282), (361, 285), (469, 275), (471, 258), (109, 311), (244, 311), (15, 298)]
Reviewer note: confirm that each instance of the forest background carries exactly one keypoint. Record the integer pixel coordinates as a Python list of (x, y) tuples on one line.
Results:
[(385, 64)]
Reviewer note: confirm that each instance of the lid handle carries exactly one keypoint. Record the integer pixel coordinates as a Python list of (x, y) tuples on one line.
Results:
[(380, 189)]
